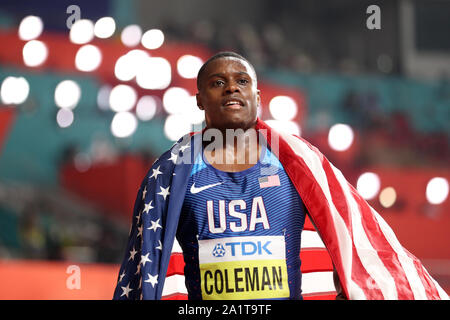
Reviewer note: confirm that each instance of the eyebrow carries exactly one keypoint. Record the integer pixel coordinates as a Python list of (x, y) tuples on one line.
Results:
[(221, 75)]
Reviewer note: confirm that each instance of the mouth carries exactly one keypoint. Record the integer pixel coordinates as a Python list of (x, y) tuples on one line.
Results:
[(233, 103)]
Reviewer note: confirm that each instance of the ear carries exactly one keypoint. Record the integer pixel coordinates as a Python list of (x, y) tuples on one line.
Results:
[(199, 101), (258, 98)]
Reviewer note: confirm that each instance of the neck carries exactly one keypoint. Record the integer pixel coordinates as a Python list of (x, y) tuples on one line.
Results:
[(234, 147)]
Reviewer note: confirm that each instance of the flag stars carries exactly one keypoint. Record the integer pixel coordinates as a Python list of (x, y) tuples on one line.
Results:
[(173, 157), (152, 279), (148, 206), (155, 225), (139, 231), (126, 290), (164, 192), (155, 173), (121, 276), (145, 259), (144, 193), (132, 254)]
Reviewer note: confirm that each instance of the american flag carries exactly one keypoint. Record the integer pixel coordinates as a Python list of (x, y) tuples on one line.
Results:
[(344, 231), (269, 181)]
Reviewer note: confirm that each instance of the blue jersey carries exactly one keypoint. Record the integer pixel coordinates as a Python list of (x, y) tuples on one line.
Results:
[(240, 232)]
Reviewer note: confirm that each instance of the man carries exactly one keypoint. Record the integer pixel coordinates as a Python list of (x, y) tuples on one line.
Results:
[(237, 206)]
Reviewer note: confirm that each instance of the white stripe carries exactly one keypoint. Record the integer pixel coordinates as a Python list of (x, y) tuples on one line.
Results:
[(174, 284), (406, 262), (368, 255), (313, 282), (311, 239), (176, 248), (314, 164)]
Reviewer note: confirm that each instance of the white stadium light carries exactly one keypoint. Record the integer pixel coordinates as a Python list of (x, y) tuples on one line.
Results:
[(368, 185), (88, 58), (64, 117), (124, 124), (122, 98), (127, 66), (283, 108), (104, 27), (30, 28), (285, 126), (34, 53), (131, 35), (175, 99), (340, 137), (103, 97), (192, 113), (176, 126), (437, 190), (14, 90), (188, 66), (155, 73), (67, 94), (146, 108), (82, 31), (152, 39)]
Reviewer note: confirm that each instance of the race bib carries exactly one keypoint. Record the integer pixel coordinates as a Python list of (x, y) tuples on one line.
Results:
[(243, 268)]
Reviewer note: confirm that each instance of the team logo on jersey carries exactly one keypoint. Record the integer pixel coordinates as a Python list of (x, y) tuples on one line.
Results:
[(218, 251), (195, 189)]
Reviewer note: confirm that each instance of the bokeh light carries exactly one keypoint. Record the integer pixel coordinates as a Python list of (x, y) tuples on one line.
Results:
[(283, 108), (146, 108), (82, 31), (368, 185), (14, 90), (88, 58), (340, 137), (387, 197), (64, 117), (188, 66), (122, 98), (131, 35), (284, 126), (437, 190), (155, 73), (152, 39), (123, 124), (104, 27), (34, 53), (176, 126), (67, 94), (30, 28)]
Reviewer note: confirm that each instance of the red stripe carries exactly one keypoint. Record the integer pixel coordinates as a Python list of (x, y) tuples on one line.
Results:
[(385, 252), (330, 295), (308, 224), (176, 264), (315, 260), (311, 194), (430, 289), (359, 273)]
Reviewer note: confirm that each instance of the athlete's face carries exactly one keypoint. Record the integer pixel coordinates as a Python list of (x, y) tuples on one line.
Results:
[(228, 94)]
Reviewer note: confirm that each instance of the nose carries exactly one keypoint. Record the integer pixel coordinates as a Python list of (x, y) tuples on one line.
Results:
[(231, 87)]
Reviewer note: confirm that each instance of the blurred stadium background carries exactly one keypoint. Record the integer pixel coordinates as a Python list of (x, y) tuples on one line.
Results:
[(84, 112)]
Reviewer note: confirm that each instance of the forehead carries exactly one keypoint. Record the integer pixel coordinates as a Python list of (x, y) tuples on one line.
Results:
[(226, 65)]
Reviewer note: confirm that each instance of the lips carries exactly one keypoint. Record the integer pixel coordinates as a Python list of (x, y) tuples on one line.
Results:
[(233, 102)]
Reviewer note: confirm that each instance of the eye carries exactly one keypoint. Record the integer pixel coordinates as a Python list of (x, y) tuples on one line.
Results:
[(243, 81), (218, 83)]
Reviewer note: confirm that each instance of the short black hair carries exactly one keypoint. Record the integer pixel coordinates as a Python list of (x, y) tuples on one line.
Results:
[(222, 54)]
